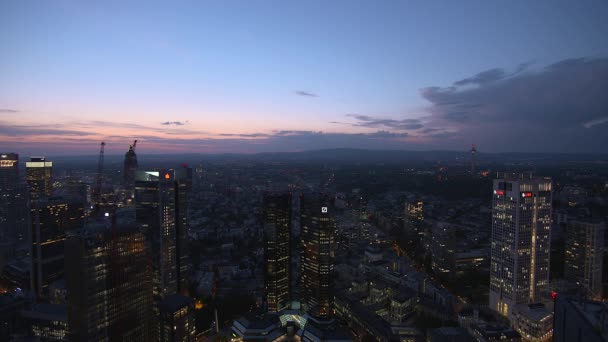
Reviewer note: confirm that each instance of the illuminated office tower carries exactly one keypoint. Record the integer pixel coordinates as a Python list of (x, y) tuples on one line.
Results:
[(317, 235), (177, 323), (520, 245), (585, 255), (52, 218), (39, 176), (13, 210), (277, 234), (108, 278), (9, 171), (161, 213)]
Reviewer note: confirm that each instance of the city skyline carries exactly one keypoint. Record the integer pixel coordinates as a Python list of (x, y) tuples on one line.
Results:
[(243, 78)]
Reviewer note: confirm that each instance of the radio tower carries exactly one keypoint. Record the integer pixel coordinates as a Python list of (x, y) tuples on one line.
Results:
[(473, 152)]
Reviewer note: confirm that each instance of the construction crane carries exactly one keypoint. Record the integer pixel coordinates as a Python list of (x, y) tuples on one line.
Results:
[(99, 177), (134, 144)]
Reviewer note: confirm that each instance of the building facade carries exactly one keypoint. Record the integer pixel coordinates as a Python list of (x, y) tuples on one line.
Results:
[(108, 278), (520, 243), (277, 240), (39, 176), (585, 255), (317, 236), (161, 214), (51, 219), (177, 323)]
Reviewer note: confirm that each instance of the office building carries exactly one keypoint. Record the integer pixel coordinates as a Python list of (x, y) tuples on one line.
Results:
[(534, 322), (443, 248), (579, 320), (108, 278), (585, 255), (51, 219), (177, 319), (9, 171), (277, 235), (46, 322), (161, 214), (39, 176), (130, 167), (317, 236), (13, 200), (520, 243)]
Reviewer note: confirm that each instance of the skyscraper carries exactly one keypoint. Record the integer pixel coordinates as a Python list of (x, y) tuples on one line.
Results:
[(585, 255), (161, 213), (108, 278), (39, 176), (277, 235), (13, 212), (317, 235), (52, 217), (521, 237), (9, 171), (177, 322), (130, 166)]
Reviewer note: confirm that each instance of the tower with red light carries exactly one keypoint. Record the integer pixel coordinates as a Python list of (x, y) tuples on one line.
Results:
[(521, 239)]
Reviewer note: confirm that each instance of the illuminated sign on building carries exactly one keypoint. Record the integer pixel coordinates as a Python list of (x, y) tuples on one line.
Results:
[(324, 210), (526, 194)]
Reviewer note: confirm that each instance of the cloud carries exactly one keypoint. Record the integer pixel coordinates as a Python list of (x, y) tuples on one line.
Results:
[(305, 93), (372, 122), (38, 130), (558, 108), (595, 122), (483, 77), (245, 135), (4, 110), (174, 123)]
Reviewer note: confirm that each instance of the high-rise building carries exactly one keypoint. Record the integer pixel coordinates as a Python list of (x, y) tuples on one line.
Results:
[(443, 248), (39, 176), (9, 171), (108, 278), (317, 236), (130, 166), (177, 323), (277, 235), (161, 212), (51, 217), (521, 237), (13, 208), (585, 255), (579, 320)]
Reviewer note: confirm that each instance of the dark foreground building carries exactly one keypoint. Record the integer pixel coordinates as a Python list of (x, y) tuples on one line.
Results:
[(109, 283), (579, 320)]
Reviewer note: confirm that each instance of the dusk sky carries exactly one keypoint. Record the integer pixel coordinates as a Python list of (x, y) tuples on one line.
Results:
[(260, 76)]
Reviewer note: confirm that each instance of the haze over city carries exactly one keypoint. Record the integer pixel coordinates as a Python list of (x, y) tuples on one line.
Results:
[(247, 77)]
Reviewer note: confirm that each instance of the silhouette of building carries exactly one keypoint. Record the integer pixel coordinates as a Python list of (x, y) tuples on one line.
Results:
[(52, 218), (520, 243), (277, 235), (130, 166), (39, 176), (317, 236), (108, 279), (585, 255)]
